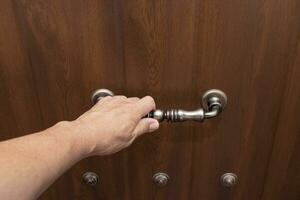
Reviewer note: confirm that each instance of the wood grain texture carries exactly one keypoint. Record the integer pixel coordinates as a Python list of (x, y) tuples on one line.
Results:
[(283, 177), (53, 54)]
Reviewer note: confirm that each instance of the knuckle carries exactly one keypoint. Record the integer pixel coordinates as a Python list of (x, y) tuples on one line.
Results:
[(107, 98), (134, 98), (150, 100), (120, 97), (102, 101)]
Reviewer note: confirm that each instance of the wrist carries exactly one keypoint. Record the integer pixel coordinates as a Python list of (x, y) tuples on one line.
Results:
[(69, 132)]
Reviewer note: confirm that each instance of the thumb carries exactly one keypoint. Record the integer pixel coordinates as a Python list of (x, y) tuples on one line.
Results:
[(146, 125)]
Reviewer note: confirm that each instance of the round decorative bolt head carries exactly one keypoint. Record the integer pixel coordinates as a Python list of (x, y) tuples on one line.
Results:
[(90, 178), (229, 179), (161, 179)]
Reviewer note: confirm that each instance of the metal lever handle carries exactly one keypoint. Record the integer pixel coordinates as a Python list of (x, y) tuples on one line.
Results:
[(213, 102)]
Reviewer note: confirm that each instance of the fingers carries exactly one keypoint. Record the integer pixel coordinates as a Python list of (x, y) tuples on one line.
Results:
[(115, 100), (139, 106), (121, 98), (145, 125), (133, 99), (144, 106)]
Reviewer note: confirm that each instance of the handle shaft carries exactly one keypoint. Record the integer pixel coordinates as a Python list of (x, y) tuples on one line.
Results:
[(177, 115)]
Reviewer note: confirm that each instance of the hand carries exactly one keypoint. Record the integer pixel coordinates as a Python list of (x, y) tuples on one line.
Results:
[(114, 123)]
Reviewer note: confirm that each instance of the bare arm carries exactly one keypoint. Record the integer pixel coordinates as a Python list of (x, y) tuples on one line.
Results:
[(31, 163)]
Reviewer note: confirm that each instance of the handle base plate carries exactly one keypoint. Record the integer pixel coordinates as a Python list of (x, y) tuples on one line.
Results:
[(214, 94)]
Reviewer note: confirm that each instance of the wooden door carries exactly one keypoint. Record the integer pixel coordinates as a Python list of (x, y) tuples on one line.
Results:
[(53, 54)]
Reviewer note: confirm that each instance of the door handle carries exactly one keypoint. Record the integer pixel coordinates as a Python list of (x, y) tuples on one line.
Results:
[(213, 103)]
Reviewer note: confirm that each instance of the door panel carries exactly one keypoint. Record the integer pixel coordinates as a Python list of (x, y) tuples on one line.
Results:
[(53, 54), (282, 180)]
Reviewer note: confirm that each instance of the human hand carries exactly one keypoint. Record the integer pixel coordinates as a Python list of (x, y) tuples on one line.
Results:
[(114, 123)]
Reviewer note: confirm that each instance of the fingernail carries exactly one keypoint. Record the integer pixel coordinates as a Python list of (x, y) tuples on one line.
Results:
[(153, 126)]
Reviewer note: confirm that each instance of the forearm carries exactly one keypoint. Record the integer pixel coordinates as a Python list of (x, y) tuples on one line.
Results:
[(31, 163)]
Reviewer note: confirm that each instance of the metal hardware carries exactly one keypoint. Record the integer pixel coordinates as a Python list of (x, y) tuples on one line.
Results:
[(100, 94), (213, 101), (160, 179), (229, 179), (90, 178)]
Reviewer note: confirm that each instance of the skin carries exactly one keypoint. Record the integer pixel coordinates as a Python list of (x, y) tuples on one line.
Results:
[(31, 163)]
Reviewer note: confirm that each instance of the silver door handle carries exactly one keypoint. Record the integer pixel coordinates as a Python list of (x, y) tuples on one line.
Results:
[(213, 102)]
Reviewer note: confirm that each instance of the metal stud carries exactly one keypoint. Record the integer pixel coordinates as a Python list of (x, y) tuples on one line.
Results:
[(90, 178), (160, 179), (229, 179)]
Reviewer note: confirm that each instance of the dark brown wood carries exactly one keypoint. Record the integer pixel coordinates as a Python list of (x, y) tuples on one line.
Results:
[(283, 177), (53, 54)]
